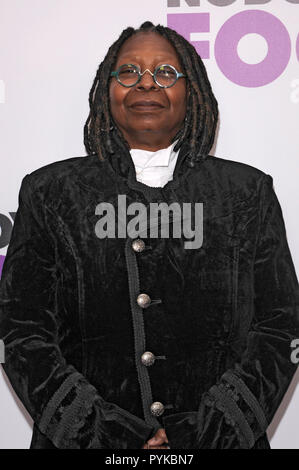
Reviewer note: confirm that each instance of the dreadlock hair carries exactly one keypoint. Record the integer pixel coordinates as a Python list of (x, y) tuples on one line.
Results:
[(101, 135)]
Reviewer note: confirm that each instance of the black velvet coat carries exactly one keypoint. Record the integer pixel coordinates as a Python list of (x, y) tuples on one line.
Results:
[(220, 322)]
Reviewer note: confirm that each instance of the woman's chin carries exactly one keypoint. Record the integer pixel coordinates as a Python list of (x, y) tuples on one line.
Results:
[(148, 127)]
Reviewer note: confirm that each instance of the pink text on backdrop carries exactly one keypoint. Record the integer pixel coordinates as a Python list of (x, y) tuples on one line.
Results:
[(225, 49), (220, 3)]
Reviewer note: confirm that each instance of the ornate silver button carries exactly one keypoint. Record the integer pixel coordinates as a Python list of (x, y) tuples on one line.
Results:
[(157, 408), (138, 245), (143, 300), (148, 358)]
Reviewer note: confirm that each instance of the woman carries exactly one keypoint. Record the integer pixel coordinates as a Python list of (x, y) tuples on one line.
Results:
[(136, 341)]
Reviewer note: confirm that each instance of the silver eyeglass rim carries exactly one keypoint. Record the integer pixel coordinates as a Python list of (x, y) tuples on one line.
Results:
[(115, 74)]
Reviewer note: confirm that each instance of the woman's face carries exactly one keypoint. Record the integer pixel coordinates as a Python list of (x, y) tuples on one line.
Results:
[(150, 129)]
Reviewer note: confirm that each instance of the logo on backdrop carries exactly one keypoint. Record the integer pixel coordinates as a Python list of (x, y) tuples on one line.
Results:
[(225, 49)]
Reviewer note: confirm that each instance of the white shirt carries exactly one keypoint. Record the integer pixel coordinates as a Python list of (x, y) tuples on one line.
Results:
[(155, 168)]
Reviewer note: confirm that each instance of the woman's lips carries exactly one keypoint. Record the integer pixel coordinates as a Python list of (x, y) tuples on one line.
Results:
[(143, 107)]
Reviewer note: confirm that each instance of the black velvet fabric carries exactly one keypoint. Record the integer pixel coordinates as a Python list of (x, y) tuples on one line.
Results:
[(227, 314)]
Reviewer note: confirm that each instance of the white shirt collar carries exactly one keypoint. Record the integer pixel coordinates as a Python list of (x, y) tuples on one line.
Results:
[(159, 158)]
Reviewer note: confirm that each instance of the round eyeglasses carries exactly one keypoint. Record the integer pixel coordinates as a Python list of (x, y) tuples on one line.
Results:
[(164, 75)]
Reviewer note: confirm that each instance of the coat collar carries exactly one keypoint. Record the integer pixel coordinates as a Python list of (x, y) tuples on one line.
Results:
[(120, 168)]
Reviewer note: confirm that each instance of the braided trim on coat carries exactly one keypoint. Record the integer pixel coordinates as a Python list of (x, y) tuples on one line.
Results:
[(248, 397), (56, 399), (233, 415)]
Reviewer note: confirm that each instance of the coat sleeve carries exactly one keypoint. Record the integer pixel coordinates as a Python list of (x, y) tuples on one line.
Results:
[(236, 411), (64, 405)]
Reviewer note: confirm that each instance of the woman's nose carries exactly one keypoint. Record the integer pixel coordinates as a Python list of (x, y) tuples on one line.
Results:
[(147, 81)]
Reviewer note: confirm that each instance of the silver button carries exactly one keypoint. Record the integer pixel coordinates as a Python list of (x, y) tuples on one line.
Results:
[(148, 358), (157, 408), (143, 300), (138, 245)]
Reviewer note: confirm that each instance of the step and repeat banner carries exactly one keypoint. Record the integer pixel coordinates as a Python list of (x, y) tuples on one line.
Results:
[(49, 55)]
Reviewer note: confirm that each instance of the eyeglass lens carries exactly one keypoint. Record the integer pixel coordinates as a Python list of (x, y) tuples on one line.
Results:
[(128, 75)]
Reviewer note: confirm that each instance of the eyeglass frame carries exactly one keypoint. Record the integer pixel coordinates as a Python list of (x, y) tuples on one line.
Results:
[(153, 74)]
